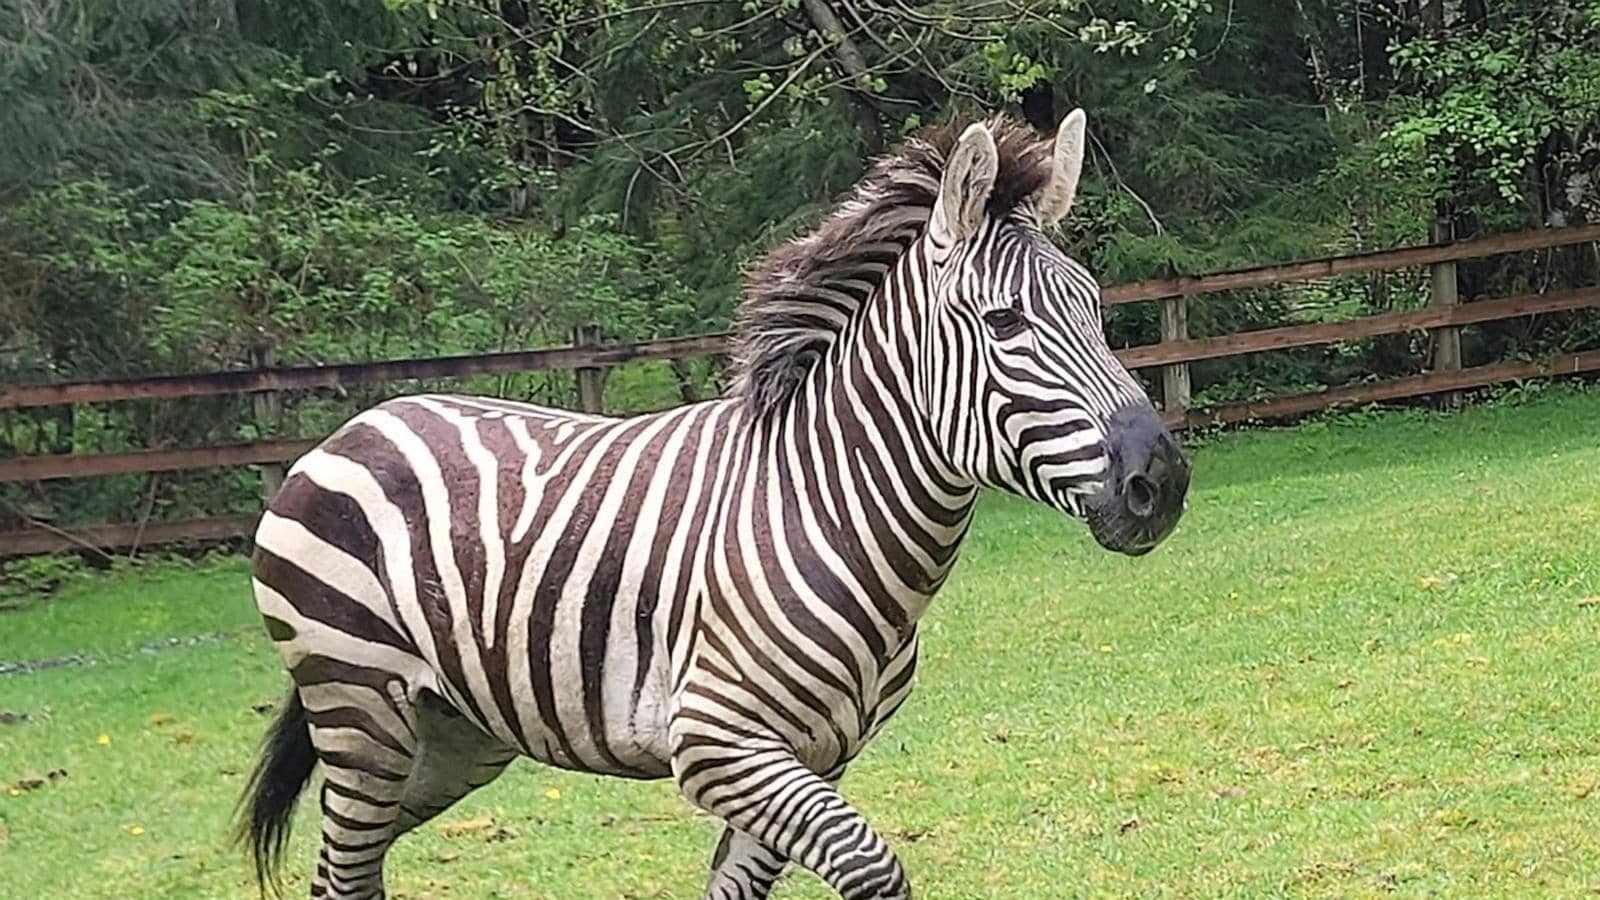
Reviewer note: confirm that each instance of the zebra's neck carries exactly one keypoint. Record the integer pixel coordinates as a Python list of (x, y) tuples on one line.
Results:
[(889, 504)]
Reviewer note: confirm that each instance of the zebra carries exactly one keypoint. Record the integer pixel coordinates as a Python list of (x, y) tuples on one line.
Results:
[(726, 593)]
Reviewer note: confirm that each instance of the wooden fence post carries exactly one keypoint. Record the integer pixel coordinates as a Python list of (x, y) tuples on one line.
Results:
[(1175, 393), (591, 379), (268, 407), (1444, 293)]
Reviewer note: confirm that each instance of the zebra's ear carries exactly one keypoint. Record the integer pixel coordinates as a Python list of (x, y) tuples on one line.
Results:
[(1055, 198), (964, 190)]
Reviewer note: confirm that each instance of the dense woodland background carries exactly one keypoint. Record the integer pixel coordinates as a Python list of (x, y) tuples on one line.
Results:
[(186, 183)]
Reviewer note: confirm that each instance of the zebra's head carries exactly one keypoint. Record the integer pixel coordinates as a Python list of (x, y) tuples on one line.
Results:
[(1015, 375)]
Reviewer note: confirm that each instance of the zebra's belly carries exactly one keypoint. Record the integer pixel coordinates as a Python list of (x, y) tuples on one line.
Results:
[(631, 749), (578, 702)]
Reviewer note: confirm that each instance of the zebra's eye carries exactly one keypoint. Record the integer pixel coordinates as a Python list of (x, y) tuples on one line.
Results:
[(1005, 322)]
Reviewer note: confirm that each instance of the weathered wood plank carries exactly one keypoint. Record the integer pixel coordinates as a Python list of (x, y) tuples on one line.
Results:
[(110, 537), (167, 387), (42, 468), (557, 358), (1393, 389), (1175, 387), (31, 541), (280, 451), (591, 379), (1169, 352), (1350, 264)]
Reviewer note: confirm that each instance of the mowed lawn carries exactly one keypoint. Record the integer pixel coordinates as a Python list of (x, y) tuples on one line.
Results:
[(1368, 663)]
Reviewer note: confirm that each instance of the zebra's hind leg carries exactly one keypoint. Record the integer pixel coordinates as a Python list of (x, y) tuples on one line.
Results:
[(389, 764), (454, 758), (364, 732)]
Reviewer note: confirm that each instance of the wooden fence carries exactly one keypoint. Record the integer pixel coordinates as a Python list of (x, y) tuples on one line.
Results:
[(587, 357)]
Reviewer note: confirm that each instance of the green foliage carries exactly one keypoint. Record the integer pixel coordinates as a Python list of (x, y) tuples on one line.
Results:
[(344, 274), (1488, 99), (109, 280), (1013, 73), (320, 271), (30, 578)]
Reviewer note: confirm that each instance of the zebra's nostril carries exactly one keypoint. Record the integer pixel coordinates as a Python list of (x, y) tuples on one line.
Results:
[(1140, 494)]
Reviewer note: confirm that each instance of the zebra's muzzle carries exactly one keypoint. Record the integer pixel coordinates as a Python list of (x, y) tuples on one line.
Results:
[(1140, 504)]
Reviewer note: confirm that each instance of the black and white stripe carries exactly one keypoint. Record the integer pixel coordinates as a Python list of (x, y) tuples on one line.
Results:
[(725, 593)]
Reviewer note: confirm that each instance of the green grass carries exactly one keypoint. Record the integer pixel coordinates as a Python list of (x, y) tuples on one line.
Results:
[(1362, 666)]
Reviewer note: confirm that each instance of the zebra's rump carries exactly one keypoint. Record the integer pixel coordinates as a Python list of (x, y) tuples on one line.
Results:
[(522, 563)]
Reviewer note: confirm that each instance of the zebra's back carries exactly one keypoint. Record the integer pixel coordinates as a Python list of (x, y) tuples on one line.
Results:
[(524, 564)]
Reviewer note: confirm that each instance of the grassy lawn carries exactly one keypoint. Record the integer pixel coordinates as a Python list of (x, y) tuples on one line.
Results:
[(1365, 664)]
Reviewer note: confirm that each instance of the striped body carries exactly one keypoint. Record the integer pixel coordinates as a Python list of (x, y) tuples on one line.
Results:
[(623, 557), (727, 593)]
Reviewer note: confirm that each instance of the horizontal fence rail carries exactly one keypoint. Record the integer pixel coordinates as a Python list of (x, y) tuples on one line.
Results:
[(1391, 389), (1349, 264), (588, 357), (1367, 326), (103, 537), (167, 387), (84, 465), (291, 378)]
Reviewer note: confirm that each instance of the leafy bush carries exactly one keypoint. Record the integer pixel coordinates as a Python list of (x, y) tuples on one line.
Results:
[(110, 282), (31, 577)]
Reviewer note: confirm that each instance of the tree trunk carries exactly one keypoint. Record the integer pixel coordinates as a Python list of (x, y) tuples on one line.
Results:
[(854, 65), (227, 17), (1431, 15)]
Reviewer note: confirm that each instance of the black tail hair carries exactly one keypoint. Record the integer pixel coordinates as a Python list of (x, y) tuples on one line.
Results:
[(266, 807)]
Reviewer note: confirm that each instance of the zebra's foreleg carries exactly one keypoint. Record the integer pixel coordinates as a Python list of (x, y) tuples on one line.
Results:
[(742, 868), (778, 803), (745, 869)]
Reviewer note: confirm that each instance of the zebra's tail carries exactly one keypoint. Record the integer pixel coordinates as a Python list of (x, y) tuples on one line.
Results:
[(267, 806)]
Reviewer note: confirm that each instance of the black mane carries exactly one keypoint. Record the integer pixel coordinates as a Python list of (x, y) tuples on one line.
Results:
[(800, 298)]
